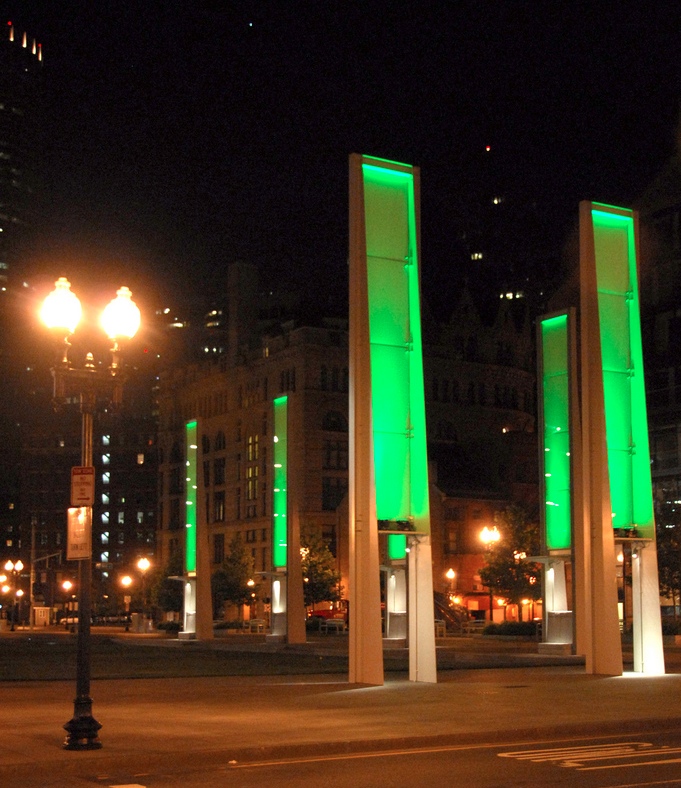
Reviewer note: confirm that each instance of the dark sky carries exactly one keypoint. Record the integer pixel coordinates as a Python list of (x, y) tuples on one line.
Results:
[(183, 135)]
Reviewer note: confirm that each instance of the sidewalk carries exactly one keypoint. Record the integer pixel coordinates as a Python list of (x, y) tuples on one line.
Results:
[(148, 722)]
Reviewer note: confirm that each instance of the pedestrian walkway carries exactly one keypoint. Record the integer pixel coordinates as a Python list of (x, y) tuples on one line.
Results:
[(175, 721)]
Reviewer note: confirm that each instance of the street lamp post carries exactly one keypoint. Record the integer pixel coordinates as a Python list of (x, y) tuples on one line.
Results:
[(61, 313), (14, 568)]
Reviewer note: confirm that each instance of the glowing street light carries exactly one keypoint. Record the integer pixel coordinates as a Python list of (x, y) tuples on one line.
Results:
[(143, 565), (489, 536), (61, 312)]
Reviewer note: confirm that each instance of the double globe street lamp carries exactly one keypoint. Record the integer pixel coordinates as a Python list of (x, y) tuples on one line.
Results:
[(61, 312), (14, 569)]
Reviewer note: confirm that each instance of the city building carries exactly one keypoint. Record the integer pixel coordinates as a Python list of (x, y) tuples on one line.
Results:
[(479, 379)]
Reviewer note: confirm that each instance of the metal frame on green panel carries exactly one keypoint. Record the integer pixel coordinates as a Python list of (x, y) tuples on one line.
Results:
[(398, 404), (555, 423), (622, 359), (280, 488), (191, 454)]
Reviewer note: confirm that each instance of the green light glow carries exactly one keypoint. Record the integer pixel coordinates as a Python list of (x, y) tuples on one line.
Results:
[(626, 419), (398, 404), (556, 407), (191, 453), (279, 494)]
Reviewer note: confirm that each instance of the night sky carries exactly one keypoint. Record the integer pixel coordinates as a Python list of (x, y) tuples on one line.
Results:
[(183, 135)]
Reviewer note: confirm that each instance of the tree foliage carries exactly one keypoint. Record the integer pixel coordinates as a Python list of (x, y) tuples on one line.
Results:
[(669, 551), (230, 582), (321, 579), (167, 593), (506, 571)]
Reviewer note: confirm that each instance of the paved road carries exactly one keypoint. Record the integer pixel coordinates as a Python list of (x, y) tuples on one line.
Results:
[(591, 763)]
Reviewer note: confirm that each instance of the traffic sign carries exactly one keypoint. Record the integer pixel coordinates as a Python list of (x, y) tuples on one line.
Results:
[(83, 486)]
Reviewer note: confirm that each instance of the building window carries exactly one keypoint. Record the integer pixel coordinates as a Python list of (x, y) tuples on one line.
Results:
[(218, 548), (333, 491), (219, 471), (336, 455), (121, 518), (252, 482), (206, 473), (220, 441), (140, 458), (106, 459), (219, 507), (252, 451), (105, 537)]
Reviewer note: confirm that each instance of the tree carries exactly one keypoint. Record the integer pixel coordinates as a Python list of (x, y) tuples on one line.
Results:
[(669, 552), (506, 571), (230, 582), (167, 592), (321, 579)]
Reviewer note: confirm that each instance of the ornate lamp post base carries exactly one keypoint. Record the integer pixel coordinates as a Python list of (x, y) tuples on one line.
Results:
[(82, 728)]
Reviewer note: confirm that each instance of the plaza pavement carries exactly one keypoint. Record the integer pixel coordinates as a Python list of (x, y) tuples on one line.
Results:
[(150, 723)]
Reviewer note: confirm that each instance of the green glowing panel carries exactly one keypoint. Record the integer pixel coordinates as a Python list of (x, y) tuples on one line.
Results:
[(191, 453), (626, 420), (398, 405), (279, 493), (556, 409)]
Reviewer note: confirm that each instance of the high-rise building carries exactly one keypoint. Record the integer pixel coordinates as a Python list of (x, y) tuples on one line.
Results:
[(20, 79)]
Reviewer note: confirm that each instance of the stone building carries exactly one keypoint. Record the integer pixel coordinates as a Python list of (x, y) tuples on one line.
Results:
[(479, 383)]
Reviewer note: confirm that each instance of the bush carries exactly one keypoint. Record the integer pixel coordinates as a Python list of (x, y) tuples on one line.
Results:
[(228, 625), (169, 626), (515, 628)]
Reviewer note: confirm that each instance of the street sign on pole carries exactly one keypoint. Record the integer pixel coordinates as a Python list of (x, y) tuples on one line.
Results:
[(79, 533), (83, 486)]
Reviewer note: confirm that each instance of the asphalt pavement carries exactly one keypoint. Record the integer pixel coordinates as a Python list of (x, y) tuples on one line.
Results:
[(147, 722)]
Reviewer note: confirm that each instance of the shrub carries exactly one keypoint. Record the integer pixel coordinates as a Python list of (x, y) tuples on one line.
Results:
[(516, 628), (169, 626)]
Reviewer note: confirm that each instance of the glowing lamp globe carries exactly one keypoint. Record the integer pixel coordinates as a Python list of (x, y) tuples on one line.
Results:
[(61, 308), (121, 317)]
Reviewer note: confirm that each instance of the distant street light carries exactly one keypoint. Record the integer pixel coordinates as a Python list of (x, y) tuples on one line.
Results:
[(143, 565), (61, 313)]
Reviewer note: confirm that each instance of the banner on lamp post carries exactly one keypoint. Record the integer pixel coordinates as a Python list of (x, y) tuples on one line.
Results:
[(79, 533)]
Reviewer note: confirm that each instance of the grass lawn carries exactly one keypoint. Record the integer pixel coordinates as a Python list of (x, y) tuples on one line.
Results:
[(47, 658)]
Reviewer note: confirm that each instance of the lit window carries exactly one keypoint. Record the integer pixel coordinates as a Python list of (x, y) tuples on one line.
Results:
[(121, 517), (105, 518), (106, 477), (105, 498), (140, 459), (106, 440), (106, 459), (104, 558), (476, 256), (105, 537), (140, 517)]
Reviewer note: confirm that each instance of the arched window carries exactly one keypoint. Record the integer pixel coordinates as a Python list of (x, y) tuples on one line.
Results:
[(220, 441)]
